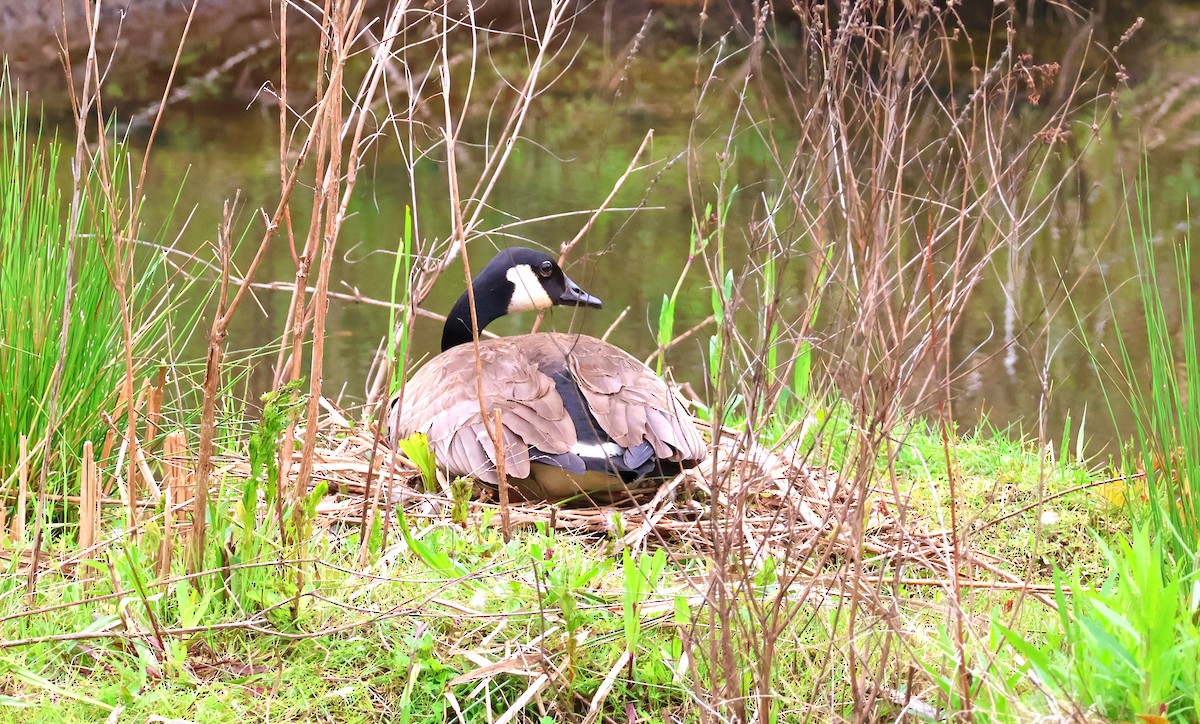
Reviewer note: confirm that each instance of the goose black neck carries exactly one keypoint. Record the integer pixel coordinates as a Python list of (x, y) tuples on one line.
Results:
[(488, 308)]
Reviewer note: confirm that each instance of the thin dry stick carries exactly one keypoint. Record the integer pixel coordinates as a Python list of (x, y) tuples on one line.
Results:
[(133, 634), (110, 438), (282, 365), (610, 680), (298, 310), (962, 673), (158, 115), (124, 592), (101, 500), (133, 450), (684, 335), (121, 271), (613, 327), (450, 132), (486, 183), (1047, 498), (630, 168), (566, 247)]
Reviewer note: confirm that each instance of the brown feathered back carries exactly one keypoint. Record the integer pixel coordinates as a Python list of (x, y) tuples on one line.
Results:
[(630, 403)]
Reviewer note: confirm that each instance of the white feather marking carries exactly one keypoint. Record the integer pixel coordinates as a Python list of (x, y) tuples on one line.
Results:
[(528, 293), (603, 450)]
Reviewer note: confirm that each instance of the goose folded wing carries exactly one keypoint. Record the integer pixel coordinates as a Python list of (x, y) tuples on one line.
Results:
[(631, 403), (446, 408)]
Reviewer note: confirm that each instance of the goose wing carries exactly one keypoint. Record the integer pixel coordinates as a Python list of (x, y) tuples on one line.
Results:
[(442, 401), (629, 401)]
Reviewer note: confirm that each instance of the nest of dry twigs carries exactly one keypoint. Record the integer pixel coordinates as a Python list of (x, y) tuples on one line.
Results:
[(748, 501)]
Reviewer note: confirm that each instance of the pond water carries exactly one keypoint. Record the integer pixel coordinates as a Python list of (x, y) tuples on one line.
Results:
[(1018, 352)]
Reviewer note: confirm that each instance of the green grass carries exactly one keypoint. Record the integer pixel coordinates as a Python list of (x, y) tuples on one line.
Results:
[(367, 671), (1129, 647), (581, 597)]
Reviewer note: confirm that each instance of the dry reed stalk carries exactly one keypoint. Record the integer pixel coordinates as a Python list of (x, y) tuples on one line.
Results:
[(212, 382), (89, 497), (297, 315), (166, 543), (339, 25), (176, 472), (331, 209), (227, 308), (154, 408)]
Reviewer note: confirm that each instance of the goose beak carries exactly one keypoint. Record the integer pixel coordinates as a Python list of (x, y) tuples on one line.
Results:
[(573, 296)]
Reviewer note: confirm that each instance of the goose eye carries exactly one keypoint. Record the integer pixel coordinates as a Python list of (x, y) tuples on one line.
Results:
[(546, 268)]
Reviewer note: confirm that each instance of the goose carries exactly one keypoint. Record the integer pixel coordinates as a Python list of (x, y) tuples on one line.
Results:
[(581, 418)]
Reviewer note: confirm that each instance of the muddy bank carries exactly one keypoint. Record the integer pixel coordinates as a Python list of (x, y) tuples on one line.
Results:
[(232, 47), (138, 39), (232, 52)]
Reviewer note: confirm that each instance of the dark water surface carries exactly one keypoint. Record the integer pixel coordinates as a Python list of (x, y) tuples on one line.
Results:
[(1018, 352)]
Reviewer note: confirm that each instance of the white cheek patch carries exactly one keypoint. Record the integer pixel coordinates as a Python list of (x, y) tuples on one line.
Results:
[(528, 294)]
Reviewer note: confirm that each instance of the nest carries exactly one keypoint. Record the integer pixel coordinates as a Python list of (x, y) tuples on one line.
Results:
[(745, 501)]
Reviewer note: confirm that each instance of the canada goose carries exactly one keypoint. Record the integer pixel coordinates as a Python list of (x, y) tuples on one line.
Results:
[(579, 416)]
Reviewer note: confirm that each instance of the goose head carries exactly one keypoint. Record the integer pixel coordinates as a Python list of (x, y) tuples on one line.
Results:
[(515, 280)]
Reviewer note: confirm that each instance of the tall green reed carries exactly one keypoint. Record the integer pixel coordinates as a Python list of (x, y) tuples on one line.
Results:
[(1159, 386), (35, 272)]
